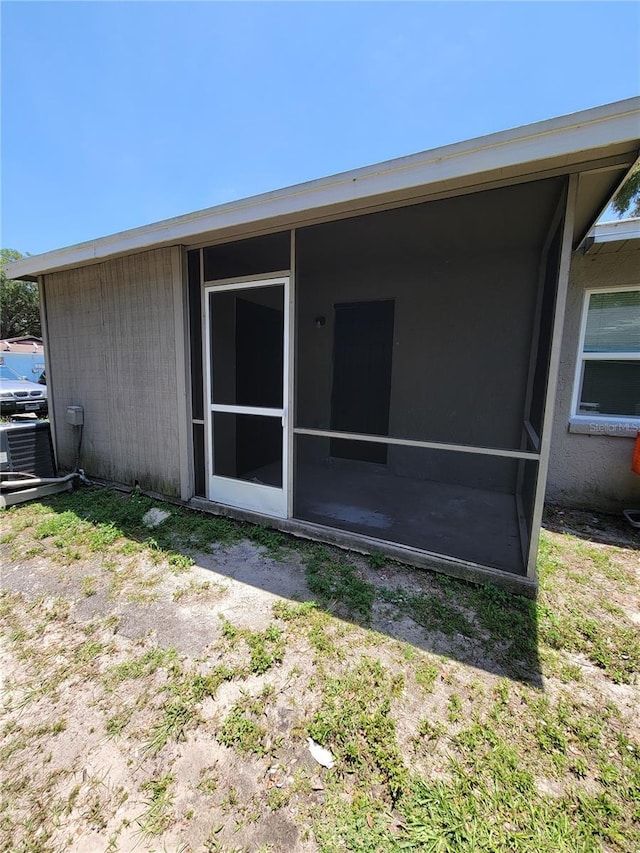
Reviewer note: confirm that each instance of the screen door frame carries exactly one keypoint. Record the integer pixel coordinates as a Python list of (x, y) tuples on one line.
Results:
[(243, 494)]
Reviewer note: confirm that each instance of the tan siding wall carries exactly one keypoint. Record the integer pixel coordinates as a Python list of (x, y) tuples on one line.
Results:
[(111, 335), (588, 470)]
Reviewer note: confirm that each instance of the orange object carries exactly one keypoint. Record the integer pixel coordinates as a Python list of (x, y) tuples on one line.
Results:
[(635, 462)]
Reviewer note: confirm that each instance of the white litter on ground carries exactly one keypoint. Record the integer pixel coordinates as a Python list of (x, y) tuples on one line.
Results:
[(155, 517), (321, 755)]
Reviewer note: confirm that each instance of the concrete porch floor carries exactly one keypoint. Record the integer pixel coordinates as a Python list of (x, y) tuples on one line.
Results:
[(472, 524)]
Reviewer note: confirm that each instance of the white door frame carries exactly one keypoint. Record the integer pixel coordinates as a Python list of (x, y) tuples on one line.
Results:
[(258, 497)]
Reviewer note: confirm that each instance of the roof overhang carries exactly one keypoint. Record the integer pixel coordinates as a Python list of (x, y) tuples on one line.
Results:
[(615, 236), (600, 144)]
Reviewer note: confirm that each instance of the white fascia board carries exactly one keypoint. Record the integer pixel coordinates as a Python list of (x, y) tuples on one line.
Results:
[(555, 138), (616, 230)]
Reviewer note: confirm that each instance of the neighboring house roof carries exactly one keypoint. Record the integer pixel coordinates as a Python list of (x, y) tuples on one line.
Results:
[(615, 236), (602, 142), (22, 345)]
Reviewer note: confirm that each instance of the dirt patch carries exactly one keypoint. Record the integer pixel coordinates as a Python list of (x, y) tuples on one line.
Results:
[(154, 704)]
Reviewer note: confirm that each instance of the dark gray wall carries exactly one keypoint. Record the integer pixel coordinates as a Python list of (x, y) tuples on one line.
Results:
[(464, 275)]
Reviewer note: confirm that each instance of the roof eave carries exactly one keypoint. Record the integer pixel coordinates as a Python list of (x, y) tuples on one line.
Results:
[(519, 149), (616, 230)]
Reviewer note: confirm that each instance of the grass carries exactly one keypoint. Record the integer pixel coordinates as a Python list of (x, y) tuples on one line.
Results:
[(198, 591), (241, 731), (426, 675), (157, 816), (266, 648), (587, 621), (104, 522), (89, 586), (186, 691), (507, 725), (355, 722), (336, 581), (490, 798), (141, 666)]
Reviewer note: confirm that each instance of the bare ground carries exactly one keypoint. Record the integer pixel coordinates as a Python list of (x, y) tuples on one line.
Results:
[(87, 766)]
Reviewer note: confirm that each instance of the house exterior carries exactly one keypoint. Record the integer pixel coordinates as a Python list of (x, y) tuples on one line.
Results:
[(592, 442), (369, 359)]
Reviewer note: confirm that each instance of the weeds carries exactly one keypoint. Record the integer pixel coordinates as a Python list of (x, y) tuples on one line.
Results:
[(181, 710), (157, 816), (197, 591), (355, 722), (333, 580), (89, 586), (176, 716), (142, 666), (266, 648), (586, 620), (208, 782), (242, 732), (426, 675)]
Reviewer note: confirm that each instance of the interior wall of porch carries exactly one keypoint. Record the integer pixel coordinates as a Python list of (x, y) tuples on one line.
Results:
[(464, 274)]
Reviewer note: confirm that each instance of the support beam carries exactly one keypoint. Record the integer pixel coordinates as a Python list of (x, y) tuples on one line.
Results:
[(552, 379)]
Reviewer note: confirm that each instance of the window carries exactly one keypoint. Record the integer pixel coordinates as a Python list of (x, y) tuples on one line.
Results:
[(608, 375)]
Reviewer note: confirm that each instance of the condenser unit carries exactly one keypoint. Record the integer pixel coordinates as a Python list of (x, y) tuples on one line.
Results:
[(26, 453), (26, 448)]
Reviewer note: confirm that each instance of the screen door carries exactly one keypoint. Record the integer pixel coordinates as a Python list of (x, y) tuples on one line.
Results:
[(247, 356)]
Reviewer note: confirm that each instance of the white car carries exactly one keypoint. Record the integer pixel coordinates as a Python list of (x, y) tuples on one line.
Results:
[(18, 395)]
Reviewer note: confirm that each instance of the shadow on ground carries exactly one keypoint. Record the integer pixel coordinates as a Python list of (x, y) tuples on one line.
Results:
[(592, 526), (483, 627)]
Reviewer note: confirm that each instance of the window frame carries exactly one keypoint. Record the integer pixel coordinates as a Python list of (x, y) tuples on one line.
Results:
[(595, 423)]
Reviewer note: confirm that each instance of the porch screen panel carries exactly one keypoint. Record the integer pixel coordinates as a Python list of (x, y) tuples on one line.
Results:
[(197, 387), (195, 334), (254, 256), (464, 307), (200, 488), (247, 346), (362, 357), (247, 447), (456, 504), (547, 314), (527, 493), (463, 275)]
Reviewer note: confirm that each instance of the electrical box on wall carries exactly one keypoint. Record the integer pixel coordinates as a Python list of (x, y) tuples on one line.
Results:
[(75, 415)]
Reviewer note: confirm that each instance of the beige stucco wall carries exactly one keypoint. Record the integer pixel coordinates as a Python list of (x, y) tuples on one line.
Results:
[(112, 349), (589, 470)]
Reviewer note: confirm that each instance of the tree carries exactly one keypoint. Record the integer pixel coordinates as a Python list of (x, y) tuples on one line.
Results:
[(19, 302), (627, 199)]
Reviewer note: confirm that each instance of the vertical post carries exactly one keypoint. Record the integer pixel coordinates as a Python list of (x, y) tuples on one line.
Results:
[(529, 434), (552, 380), (206, 379), (183, 385), (290, 402), (48, 364)]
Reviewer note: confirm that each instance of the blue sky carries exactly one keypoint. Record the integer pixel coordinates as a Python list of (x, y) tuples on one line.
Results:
[(119, 114)]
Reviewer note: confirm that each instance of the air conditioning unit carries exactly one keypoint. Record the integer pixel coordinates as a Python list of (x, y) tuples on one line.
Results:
[(26, 451), (26, 448)]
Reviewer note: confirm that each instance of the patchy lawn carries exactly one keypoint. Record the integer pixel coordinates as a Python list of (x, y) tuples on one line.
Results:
[(161, 686)]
